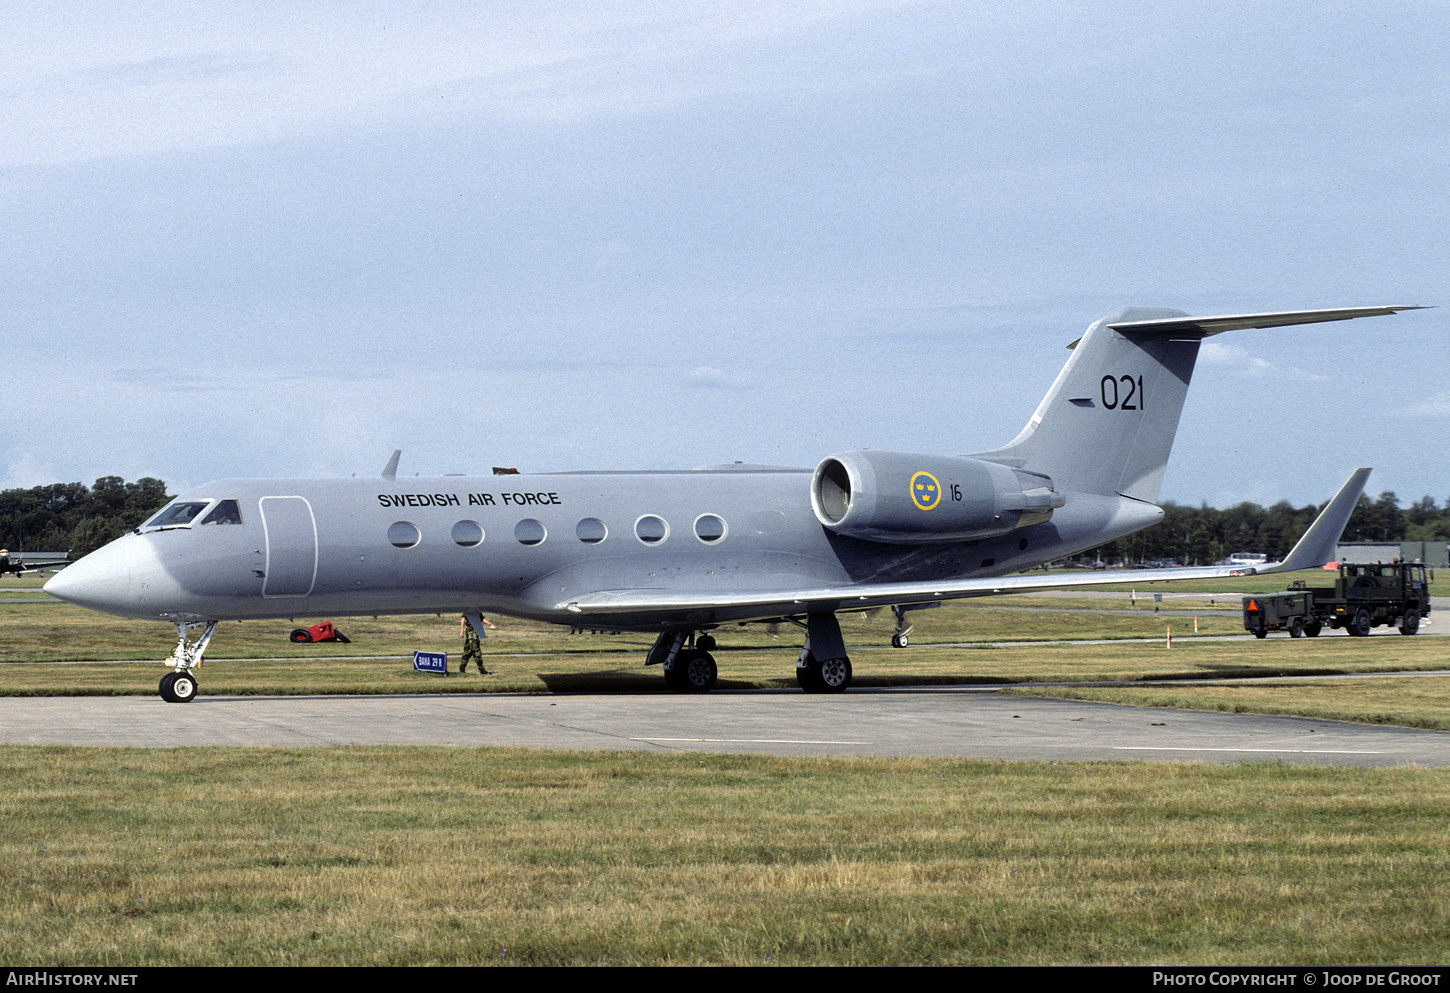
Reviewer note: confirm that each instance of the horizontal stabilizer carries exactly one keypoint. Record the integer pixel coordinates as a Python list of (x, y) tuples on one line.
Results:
[(1203, 327)]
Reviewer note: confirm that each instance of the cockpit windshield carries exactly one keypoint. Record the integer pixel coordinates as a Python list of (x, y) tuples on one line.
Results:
[(185, 513), (177, 514)]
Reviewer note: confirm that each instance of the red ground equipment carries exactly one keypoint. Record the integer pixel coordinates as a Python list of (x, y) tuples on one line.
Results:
[(319, 632)]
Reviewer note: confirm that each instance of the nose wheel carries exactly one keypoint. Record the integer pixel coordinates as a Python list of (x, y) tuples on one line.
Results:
[(178, 687)]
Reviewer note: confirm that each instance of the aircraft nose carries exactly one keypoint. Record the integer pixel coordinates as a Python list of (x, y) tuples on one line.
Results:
[(111, 579)]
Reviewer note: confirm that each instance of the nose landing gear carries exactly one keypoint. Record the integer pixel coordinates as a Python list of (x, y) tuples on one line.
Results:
[(181, 686)]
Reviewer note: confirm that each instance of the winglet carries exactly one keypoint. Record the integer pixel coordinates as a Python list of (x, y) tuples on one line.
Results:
[(390, 471), (1317, 546)]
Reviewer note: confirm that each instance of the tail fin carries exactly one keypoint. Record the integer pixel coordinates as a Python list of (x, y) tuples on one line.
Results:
[(1107, 424)]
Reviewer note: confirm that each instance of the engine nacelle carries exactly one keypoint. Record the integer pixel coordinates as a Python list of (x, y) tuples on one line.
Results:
[(902, 498)]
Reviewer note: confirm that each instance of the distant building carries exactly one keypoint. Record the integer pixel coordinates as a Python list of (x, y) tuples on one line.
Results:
[(1432, 553)]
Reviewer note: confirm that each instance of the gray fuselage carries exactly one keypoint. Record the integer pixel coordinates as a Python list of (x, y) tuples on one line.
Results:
[(526, 545)]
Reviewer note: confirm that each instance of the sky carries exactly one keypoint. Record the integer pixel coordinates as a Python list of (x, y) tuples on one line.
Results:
[(271, 239)]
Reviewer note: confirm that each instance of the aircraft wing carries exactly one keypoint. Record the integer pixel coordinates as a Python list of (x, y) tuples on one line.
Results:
[(1314, 549)]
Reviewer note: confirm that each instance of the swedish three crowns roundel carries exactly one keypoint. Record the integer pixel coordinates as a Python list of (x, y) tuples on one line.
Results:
[(925, 490)]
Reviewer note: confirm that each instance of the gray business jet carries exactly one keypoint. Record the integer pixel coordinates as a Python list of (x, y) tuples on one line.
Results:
[(680, 554)]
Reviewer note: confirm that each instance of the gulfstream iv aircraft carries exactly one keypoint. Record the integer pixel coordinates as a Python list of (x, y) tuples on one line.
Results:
[(681, 554)]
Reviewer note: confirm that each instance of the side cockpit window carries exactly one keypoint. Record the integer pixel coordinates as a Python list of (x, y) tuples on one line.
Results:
[(225, 512)]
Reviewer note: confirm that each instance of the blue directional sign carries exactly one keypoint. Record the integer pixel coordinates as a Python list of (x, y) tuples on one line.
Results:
[(430, 662)]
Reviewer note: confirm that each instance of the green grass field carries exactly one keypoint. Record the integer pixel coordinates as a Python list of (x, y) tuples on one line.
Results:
[(401, 856), (412, 856), (1008, 640)]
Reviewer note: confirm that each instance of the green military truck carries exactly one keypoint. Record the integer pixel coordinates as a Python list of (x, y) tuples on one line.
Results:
[(1362, 597)]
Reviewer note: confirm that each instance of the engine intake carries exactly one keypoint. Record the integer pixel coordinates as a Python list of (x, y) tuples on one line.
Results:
[(901, 498)]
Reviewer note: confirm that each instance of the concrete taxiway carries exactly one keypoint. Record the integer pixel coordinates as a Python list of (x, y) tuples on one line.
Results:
[(952, 722)]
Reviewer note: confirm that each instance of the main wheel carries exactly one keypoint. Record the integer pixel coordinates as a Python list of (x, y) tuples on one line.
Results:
[(835, 675), (700, 672), (1362, 623), (1410, 623), (824, 675), (164, 688), (899, 641)]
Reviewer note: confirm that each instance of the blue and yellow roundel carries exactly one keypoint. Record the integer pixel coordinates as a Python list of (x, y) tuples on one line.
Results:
[(925, 490)]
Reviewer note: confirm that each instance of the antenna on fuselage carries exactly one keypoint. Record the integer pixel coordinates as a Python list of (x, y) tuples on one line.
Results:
[(390, 471)]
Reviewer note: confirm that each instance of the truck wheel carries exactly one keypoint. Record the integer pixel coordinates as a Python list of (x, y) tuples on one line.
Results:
[(1362, 623), (1312, 629), (1410, 623), (1261, 632), (1296, 630)]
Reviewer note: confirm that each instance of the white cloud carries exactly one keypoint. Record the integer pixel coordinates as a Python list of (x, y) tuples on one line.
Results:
[(1434, 406), (709, 377), (1251, 366), (1234, 357), (25, 470)]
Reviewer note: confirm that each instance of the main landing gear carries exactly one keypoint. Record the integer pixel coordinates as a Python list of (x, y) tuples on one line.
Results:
[(689, 666), (180, 686), (822, 667)]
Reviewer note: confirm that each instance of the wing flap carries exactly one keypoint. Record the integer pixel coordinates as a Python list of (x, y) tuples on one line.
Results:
[(773, 602)]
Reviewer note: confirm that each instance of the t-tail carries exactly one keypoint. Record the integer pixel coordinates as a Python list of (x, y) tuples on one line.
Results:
[(1107, 424)]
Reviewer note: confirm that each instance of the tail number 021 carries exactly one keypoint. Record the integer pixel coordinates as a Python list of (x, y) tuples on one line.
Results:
[(1129, 396)]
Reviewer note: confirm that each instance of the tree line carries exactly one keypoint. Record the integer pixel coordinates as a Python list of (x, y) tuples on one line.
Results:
[(76, 517), (80, 518), (1203, 535)]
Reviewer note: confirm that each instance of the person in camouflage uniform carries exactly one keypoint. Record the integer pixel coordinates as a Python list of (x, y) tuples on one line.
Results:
[(472, 647)]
